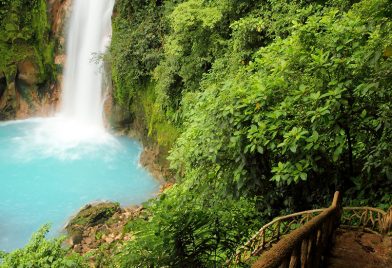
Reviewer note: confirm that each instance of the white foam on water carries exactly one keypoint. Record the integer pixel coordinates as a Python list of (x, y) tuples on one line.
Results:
[(62, 138)]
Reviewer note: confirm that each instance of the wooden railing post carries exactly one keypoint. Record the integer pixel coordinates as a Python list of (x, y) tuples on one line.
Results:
[(386, 222), (285, 263), (295, 260), (304, 253), (336, 199)]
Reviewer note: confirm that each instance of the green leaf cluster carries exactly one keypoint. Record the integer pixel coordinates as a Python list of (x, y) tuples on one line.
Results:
[(309, 106), (40, 252), (188, 231)]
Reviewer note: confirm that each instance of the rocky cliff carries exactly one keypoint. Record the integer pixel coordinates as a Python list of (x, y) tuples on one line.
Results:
[(31, 42)]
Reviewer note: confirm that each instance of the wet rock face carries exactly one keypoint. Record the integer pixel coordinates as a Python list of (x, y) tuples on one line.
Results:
[(15, 91), (59, 10), (24, 93), (8, 101), (28, 72)]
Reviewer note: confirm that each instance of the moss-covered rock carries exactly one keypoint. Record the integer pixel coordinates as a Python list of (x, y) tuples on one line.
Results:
[(94, 214), (91, 215)]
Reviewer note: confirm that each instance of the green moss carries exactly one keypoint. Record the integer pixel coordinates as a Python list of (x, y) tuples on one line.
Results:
[(159, 128), (92, 215), (24, 33)]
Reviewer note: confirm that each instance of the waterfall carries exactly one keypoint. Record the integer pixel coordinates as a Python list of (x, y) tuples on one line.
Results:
[(88, 36), (78, 129)]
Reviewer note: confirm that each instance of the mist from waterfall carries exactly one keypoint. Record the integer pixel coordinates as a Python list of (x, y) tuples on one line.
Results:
[(89, 34)]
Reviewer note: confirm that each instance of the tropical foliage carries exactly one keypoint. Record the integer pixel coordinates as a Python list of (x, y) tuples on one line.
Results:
[(40, 252), (266, 106), (275, 113)]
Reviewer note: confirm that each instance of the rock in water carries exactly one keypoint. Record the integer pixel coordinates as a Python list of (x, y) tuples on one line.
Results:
[(89, 216)]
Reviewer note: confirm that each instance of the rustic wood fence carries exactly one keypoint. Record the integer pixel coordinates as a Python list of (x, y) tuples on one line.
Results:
[(370, 219), (307, 245), (303, 239), (270, 234)]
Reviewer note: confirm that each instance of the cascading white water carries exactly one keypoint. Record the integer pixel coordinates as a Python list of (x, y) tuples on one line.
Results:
[(78, 128), (89, 34)]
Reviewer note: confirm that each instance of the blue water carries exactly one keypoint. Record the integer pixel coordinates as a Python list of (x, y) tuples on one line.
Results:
[(47, 173)]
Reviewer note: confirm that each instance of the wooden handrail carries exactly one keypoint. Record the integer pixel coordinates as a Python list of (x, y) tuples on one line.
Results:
[(307, 245), (366, 208), (285, 217), (302, 239), (259, 242), (373, 220)]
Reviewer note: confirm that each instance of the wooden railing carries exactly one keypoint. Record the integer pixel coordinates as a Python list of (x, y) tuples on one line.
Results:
[(302, 239), (307, 245), (270, 234), (373, 220)]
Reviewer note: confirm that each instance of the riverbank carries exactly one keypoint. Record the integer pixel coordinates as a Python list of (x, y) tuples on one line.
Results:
[(138, 123), (108, 233), (99, 224), (100, 228)]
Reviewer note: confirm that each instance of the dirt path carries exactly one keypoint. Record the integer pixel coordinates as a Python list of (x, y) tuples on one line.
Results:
[(363, 250)]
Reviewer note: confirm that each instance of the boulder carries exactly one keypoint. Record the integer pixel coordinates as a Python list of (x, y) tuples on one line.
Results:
[(92, 215)]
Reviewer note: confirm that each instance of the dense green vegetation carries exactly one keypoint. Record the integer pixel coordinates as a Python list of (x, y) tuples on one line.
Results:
[(267, 106), (24, 34), (40, 252), (278, 104)]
